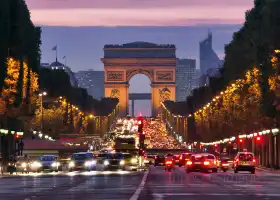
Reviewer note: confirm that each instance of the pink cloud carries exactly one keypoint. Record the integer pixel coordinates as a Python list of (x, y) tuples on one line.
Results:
[(137, 13)]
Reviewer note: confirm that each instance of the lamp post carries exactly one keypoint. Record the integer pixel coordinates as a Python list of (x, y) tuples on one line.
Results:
[(42, 110)]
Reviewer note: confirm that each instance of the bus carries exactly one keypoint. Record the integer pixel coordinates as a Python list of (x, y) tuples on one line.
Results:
[(125, 143)]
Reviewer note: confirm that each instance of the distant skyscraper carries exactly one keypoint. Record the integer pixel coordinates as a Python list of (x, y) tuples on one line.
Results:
[(185, 78), (93, 81), (209, 61), (57, 65)]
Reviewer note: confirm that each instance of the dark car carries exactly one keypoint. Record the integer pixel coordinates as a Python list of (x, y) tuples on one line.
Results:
[(176, 159), (82, 161), (159, 160), (184, 158), (202, 162), (19, 164), (114, 161)]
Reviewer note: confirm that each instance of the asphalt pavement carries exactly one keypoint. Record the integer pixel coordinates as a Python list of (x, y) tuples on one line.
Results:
[(153, 184)]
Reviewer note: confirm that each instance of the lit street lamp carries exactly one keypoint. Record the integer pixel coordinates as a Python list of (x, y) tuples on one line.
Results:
[(42, 110)]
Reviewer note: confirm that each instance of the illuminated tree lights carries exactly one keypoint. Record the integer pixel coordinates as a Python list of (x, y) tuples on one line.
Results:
[(10, 90), (235, 110)]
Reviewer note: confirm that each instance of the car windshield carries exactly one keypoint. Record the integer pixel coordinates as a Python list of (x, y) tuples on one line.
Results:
[(21, 159), (225, 158), (246, 157), (115, 156), (47, 158), (187, 155), (82, 156), (197, 158), (127, 155)]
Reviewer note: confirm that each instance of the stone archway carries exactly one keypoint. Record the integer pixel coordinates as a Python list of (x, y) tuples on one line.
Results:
[(122, 62)]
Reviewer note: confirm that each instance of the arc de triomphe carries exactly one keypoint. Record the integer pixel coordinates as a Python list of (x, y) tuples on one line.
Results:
[(157, 62)]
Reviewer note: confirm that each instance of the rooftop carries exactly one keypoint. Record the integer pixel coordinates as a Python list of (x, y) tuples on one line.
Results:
[(139, 44)]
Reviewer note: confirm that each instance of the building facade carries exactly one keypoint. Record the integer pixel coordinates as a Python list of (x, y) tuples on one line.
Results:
[(185, 78), (92, 81), (57, 65), (209, 60)]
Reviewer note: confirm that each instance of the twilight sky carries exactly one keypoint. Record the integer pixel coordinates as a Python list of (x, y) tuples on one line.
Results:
[(137, 12), (81, 28)]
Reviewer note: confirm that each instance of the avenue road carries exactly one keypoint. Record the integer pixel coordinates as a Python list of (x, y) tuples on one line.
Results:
[(153, 184)]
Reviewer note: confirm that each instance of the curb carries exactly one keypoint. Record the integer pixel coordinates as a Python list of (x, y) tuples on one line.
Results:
[(267, 169)]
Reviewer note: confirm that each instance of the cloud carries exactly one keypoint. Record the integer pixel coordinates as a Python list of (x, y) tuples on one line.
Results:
[(137, 12), (58, 4)]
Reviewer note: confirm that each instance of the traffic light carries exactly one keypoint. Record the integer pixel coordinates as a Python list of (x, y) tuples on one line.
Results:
[(258, 139), (141, 152)]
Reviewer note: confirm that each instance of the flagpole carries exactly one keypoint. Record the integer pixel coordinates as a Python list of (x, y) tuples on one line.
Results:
[(56, 53)]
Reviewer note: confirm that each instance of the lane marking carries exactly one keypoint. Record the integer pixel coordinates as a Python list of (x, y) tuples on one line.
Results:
[(161, 195), (140, 187)]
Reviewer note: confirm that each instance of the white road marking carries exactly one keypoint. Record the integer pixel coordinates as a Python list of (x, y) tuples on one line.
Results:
[(140, 187), (209, 194)]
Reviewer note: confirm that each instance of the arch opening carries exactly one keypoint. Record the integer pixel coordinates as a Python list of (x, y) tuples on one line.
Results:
[(140, 95)]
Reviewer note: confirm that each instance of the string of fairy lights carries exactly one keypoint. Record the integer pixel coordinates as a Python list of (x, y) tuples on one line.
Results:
[(74, 107)]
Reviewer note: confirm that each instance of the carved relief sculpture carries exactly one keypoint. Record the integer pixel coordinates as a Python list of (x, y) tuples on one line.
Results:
[(164, 94), (165, 76), (115, 93), (115, 76)]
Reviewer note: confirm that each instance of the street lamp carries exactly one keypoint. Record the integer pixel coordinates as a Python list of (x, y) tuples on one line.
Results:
[(42, 110)]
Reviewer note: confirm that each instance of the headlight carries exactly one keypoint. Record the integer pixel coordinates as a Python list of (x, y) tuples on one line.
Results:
[(122, 162), (106, 162), (55, 164), (133, 160), (23, 165), (71, 164), (36, 164)]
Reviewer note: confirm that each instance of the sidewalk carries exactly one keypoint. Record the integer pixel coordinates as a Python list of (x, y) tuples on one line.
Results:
[(265, 169)]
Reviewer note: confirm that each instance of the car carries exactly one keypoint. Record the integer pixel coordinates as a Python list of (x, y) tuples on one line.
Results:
[(45, 162), (82, 161), (244, 161), (19, 164), (159, 160), (176, 158), (202, 162), (131, 161), (184, 157), (113, 161), (149, 159)]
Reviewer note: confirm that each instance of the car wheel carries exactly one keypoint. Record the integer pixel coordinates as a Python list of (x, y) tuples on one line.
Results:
[(224, 170), (169, 169), (253, 171), (215, 170), (235, 171), (188, 171), (11, 173)]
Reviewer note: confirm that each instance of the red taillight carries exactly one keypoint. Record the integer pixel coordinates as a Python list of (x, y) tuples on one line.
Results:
[(189, 162), (237, 160), (168, 162), (206, 163), (181, 157), (254, 160)]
